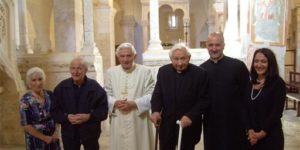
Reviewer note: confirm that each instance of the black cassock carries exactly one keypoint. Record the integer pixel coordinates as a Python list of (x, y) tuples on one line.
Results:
[(223, 125), (176, 95)]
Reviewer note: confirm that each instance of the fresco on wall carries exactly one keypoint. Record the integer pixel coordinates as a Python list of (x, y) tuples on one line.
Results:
[(268, 21)]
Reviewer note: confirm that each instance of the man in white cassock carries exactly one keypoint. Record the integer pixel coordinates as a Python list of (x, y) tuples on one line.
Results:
[(129, 87)]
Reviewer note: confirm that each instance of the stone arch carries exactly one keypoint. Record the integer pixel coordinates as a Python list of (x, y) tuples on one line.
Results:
[(177, 6), (182, 5), (169, 35)]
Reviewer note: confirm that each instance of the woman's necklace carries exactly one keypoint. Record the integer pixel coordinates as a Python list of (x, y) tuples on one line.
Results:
[(259, 86), (252, 93)]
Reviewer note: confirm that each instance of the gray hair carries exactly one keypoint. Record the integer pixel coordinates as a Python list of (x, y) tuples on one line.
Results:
[(34, 71), (82, 61), (180, 47), (217, 34), (126, 45)]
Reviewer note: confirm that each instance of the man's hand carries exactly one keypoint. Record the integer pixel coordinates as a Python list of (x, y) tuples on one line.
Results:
[(185, 121), (118, 103), (125, 105), (155, 118), (82, 118), (78, 118), (72, 118)]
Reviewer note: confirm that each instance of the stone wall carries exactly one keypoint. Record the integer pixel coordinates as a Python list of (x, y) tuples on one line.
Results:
[(11, 131)]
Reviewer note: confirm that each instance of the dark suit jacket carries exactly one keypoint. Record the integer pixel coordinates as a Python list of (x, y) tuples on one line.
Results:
[(92, 100)]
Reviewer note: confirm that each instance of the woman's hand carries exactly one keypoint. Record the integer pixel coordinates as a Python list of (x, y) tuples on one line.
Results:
[(254, 137), (55, 136), (48, 139)]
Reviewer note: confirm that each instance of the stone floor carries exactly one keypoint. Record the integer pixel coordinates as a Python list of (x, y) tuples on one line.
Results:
[(291, 126)]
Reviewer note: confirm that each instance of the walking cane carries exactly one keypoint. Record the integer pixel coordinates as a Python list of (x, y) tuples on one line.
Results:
[(179, 135), (156, 135)]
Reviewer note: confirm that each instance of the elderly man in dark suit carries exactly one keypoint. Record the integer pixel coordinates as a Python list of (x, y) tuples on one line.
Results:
[(181, 93), (79, 105)]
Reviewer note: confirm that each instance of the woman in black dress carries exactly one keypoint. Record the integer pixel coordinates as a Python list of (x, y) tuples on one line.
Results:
[(265, 103)]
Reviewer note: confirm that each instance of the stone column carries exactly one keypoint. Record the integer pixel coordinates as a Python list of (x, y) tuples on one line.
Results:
[(129, 24), (210, 22), (145, 23), (89, 43), (68, 22), (244, 8), (128, 21), (104, 31), (154, 43), (233, 46), (24, 41), (41, 15), (232, 28), (145, 33)]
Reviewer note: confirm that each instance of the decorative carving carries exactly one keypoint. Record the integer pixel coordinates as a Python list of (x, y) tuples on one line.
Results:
[(2, 21)]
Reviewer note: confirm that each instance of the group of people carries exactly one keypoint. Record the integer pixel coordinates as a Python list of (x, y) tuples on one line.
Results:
[(239, 110)]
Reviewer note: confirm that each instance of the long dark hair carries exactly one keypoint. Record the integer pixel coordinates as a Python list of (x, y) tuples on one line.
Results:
[(272, 71)]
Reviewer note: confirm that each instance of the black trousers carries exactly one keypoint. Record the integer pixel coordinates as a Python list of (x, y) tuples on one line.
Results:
[(75, 143)]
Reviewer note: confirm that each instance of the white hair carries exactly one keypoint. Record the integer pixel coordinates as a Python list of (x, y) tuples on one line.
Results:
[(180, 47), (126, 45), (82, 61), (34, 71)]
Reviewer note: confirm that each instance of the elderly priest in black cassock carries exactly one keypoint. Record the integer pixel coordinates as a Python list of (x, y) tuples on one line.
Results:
[(181, 93)]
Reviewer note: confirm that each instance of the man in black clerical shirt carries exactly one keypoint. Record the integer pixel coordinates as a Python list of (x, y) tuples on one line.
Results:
[(180, 93), (79, 105), (223, 127)]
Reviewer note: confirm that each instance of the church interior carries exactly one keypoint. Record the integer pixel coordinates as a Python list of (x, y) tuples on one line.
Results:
[(49, 33)]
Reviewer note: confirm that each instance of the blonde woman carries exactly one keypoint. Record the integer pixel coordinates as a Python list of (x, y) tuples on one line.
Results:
[(40, 129)]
